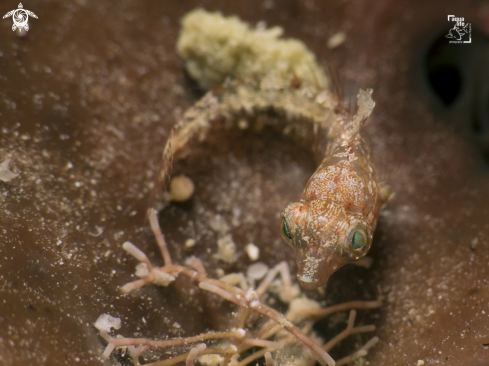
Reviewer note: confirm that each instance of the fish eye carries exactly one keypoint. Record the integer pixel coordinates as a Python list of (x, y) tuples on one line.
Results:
[(285, 230), (358, 240)]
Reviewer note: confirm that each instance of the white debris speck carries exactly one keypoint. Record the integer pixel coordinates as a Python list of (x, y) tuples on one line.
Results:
[(98, 231), (105, 322), (301, 307), (240, 333), (181, 188), (253, 251), (336, 40), (226, 249), (255, 304), (243, 124), (142, 270), (210, 360), (218, 224), (189, 243), (162, 278), (278, 289), (251, 295), (232, 279), (257, 270), (5, 174), (420, 363)]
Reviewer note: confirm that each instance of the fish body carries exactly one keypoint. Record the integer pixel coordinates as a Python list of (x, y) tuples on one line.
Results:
[(334, 222)]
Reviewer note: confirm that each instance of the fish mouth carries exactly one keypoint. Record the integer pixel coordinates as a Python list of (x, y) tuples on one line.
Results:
[(307, 282), (314, 268)]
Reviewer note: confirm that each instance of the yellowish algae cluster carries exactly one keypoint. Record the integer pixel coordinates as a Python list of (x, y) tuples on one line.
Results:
[(215, 47)]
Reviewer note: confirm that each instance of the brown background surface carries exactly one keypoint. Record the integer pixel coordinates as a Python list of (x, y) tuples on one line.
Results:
[(87, 99)]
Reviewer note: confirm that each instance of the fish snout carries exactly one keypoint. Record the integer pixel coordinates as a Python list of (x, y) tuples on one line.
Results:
[(315, 265), (308, 283)]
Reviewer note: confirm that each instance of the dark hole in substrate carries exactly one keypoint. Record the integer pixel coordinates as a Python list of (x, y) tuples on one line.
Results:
[(458, 77), (443, 70), (446, 81)]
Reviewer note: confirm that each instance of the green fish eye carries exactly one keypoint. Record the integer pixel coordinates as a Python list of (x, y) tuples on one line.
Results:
[(358, 239), (285, 230)]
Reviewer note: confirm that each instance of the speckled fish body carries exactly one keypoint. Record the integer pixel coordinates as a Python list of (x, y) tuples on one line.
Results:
[(342, 196), (334, 222)]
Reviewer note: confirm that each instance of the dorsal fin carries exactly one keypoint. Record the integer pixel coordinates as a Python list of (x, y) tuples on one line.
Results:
[(365, 106)]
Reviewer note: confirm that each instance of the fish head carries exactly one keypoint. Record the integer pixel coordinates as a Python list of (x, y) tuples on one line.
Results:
[(325, 236)]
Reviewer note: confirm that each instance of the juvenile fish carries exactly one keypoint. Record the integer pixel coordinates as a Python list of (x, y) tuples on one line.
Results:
[(334, 222)]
